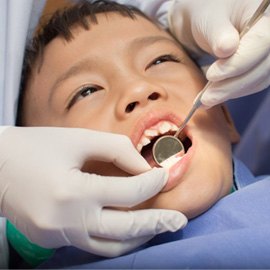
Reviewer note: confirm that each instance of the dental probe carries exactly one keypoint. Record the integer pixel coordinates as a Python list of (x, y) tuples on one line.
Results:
[(169, 145)]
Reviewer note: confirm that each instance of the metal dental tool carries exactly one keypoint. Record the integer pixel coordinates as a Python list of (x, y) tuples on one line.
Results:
[(169, 145)]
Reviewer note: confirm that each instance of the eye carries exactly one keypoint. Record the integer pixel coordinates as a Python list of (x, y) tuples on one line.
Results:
[(164, 58), (83, 92)]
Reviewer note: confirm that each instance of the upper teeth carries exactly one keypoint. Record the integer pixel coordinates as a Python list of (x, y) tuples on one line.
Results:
[(156, 130)]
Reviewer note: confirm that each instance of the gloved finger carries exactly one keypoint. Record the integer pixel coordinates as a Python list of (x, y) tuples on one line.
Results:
[(128, 191), (109, 147), (253, 81), (113, 248), (220, 38), (127, 158), (253, 48), (124, 225), (96, 245)]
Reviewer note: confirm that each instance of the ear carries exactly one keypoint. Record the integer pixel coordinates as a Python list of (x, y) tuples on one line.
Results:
[(233, 133)]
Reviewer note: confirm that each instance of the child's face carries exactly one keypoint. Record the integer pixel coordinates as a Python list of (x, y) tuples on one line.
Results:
[(125, 76)]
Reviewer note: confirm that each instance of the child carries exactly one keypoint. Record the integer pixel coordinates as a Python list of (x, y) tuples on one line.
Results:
[(107, 67), (139, 83)]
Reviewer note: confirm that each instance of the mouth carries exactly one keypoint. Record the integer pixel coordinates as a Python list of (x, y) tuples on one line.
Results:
[(151, 134)]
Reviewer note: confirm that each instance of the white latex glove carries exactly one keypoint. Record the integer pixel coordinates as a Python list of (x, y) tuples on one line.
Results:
[(46, 196), (213, 26)]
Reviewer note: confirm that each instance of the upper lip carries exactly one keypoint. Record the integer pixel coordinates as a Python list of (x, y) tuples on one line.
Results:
[(150, 119)]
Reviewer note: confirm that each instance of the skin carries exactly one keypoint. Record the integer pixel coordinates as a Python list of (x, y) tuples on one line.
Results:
[(122, 61)]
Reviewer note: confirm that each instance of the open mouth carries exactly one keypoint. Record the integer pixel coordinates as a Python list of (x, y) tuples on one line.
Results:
[(151, 134)]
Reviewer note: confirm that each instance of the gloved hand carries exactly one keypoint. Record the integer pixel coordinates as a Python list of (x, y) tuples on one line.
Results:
[(46, 196), (213, 26)]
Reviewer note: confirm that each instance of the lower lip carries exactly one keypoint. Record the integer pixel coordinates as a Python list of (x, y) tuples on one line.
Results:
[(177, 171)]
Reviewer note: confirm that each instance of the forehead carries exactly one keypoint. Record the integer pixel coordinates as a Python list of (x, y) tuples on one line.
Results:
[(111, 29), (110, 19), (112, 24)]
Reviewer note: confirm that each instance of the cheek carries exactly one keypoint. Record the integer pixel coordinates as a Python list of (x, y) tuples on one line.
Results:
[(219, 123), (187, 85), (100, 119), (195, 84), (211, 120)]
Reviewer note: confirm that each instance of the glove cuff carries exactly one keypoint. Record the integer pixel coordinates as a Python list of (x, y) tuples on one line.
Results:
[(30, 252)]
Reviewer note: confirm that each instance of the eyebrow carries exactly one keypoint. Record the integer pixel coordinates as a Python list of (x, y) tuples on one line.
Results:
[(144, 41), (89, 63)]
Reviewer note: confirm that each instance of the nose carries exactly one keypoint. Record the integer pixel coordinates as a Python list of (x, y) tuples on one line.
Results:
[(137, 96)]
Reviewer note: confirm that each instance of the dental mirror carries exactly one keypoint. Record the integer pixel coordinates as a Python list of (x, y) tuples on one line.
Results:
[(165, 147), (169, 145)]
